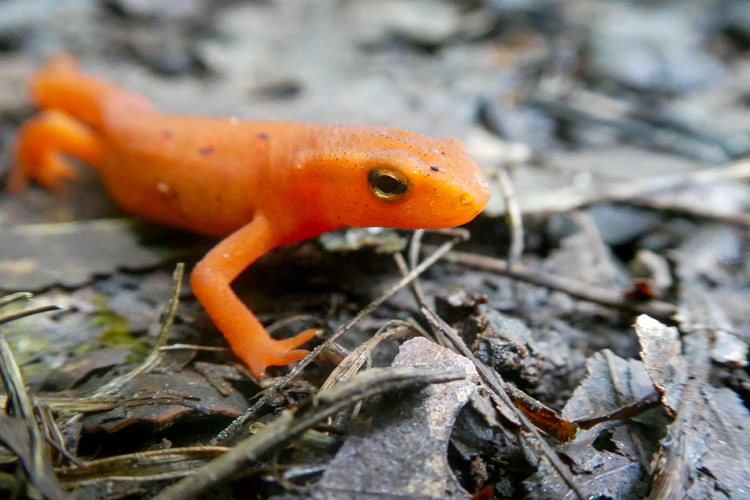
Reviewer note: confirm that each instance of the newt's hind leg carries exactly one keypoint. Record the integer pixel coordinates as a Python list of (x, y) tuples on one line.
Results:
[(41, 147)]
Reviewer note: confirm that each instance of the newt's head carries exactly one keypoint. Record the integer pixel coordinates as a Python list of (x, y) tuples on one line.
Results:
[(377, 176)]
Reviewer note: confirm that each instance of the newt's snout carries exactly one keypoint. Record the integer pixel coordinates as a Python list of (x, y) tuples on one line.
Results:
[(477, 196)]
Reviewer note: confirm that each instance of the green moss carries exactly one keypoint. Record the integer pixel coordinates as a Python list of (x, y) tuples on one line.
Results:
[(26, 346), (115, 332)]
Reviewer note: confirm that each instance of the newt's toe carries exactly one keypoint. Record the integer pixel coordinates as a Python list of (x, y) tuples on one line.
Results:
[(278, 352)]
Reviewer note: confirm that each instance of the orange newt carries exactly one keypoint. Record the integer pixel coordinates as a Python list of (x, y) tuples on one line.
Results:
[(257, 185)]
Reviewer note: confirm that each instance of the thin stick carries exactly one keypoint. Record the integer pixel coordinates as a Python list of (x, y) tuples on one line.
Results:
[(156, 353), (33, 455), (642, 188), (414, 248), (513, 218), (15, 297), (31, 312), (695, 212), (655, 308), (734, 171)]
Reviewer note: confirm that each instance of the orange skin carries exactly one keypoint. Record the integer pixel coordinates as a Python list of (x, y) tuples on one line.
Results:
[(257, 185)]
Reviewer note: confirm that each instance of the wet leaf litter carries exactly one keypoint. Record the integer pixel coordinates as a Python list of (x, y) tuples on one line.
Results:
[(610, 337)]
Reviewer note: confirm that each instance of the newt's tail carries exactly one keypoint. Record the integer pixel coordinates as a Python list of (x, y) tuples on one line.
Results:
[(61, 86)]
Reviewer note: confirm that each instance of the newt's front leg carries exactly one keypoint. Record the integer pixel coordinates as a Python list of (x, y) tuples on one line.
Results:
[(211, 280)]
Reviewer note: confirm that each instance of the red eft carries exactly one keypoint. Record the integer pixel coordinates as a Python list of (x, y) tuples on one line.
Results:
[(257, 185)]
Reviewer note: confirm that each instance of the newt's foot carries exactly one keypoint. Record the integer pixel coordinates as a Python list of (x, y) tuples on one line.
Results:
[(52, 171), (39, 151), (276, 352)]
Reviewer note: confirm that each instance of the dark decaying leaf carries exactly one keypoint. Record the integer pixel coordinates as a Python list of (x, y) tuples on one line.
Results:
[(609, 458), (724, 466), (611, 476), (706, 452), (35, 257), (78, 368), (290, 424), (159, 399), (402, 453)]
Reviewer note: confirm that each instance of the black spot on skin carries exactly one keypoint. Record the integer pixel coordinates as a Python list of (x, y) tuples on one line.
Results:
[(434, 168), (206, 150), (262, 136), (166, 134)]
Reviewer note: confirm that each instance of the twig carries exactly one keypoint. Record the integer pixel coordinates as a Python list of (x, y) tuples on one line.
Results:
[(31, 312), (30, 449), (15, 297), (354, 361), (53, 435), (655, 308), (166, 325), (173, 463), (739, 170), (156, 353), (642, 188), (627, 412), (512, 217), (414, 248), (695, 212)]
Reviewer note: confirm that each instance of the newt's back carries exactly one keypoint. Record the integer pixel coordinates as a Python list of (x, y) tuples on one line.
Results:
[(201, 174)]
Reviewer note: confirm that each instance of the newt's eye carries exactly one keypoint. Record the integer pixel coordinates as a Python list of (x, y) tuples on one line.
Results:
[(387, 184)]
